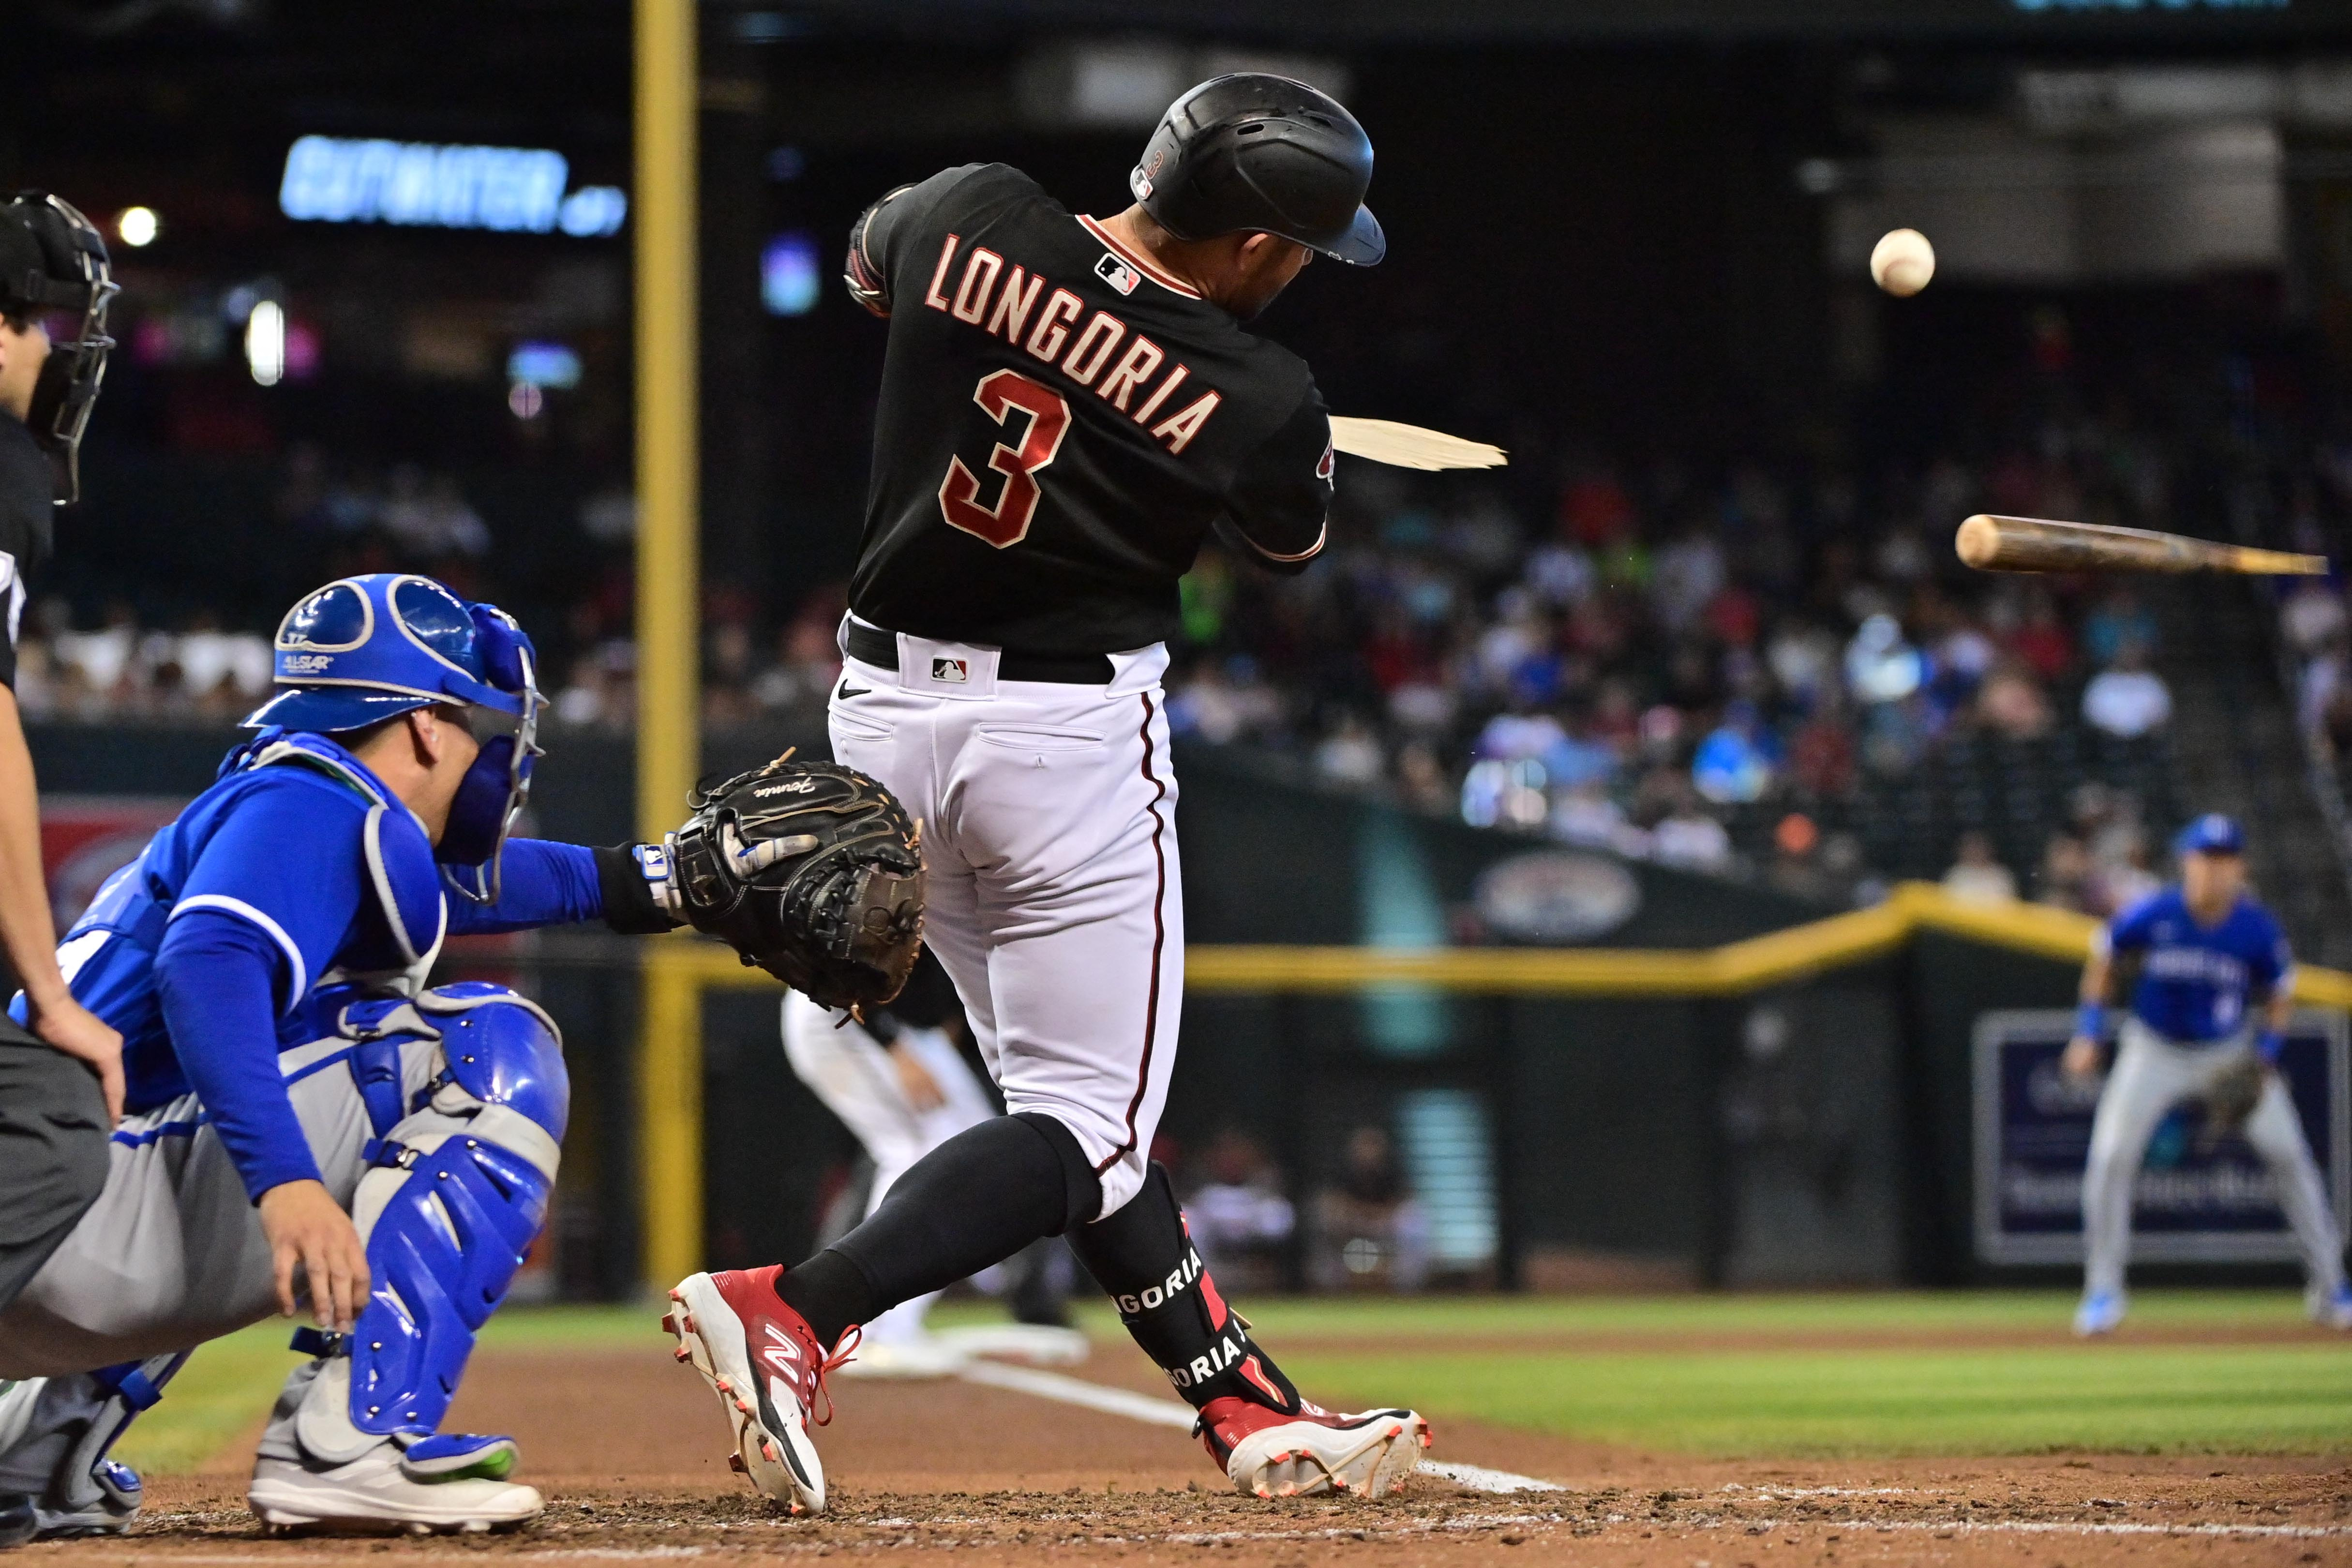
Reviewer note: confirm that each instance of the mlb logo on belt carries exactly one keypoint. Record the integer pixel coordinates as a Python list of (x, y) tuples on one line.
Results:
[(1117, 274), (955, 671)]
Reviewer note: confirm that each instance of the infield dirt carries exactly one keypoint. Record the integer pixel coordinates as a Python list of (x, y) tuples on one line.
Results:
[(627, 1448)]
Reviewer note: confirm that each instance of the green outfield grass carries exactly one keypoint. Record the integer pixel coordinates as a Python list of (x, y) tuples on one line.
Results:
[(1664, 1373)]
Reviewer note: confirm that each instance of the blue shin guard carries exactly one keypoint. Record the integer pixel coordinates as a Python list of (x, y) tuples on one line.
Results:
[(464, 1180)]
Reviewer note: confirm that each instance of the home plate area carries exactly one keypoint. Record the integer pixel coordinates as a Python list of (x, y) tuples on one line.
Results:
[(1015, 1464)]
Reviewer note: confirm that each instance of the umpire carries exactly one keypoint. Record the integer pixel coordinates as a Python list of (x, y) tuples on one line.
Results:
[(61, 1080)]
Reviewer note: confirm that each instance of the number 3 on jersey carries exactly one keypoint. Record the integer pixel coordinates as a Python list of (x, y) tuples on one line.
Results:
[(1006, 523)]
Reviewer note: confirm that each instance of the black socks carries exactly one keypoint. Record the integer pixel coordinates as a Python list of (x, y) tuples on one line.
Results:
[(976, 1200), (988, 1192), (1144, 1258)]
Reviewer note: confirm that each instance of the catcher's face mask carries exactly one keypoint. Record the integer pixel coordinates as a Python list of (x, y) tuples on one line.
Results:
[(497, 787), (53, 263)]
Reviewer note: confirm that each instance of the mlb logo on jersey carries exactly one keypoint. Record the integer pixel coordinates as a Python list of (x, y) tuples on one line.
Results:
[(956, 672), (1117, 274)]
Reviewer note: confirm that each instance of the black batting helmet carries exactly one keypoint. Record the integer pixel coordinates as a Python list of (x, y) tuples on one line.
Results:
[(1264, 154)]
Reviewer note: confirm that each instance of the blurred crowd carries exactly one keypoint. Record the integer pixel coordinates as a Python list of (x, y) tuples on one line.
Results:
[(1363, 1230), (1645, 657)]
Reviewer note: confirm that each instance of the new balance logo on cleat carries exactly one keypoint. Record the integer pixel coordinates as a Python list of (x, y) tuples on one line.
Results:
[(784, 1355)]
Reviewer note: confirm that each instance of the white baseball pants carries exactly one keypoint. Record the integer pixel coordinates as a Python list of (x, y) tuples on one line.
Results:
[(2150, 1076), (1049, 840), (850, 1071)]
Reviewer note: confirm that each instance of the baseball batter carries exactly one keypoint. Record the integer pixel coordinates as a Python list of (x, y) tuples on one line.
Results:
[(1070, 407), (2210, 1006), (303, 1113)]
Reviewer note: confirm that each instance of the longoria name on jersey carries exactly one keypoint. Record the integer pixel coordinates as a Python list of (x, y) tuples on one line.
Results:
[(1106, 355)]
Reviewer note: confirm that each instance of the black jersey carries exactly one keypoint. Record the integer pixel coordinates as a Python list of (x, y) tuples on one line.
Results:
[(27, 500), (1061, 423)]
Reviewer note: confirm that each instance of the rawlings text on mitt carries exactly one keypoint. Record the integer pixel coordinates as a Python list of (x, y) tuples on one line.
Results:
[(810, 871)]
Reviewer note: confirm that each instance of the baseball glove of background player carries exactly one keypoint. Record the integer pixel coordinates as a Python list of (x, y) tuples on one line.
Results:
[(811, 872), (2231, 1097)]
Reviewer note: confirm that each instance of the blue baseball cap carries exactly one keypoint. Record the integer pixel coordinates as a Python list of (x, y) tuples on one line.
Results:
[(2211, 834)]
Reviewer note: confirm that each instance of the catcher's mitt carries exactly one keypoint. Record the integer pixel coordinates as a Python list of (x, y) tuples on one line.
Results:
[(811, 872), (2231, 1097)]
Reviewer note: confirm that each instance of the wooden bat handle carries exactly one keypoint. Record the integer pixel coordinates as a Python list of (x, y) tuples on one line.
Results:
[(2040, 544)]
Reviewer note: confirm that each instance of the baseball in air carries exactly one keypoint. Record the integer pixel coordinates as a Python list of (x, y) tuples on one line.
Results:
[(1901, 262)]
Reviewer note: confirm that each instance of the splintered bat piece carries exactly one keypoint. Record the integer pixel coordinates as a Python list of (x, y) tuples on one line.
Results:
[(1410, 446), (2037, 544)]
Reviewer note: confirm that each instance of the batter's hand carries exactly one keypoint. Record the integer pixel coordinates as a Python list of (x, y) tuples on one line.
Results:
[(307, 1227), (82, 1034), (915, 1081), (2082, 1057)]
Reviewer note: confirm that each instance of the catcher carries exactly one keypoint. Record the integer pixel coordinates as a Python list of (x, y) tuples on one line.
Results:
[(2203, 949)]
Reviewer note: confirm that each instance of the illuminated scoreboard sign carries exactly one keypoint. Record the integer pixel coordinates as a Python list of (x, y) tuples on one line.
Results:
[(510, 190)]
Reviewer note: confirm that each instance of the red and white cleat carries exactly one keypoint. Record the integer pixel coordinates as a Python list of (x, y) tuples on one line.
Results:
[(764, 1361), (1270, 1454)]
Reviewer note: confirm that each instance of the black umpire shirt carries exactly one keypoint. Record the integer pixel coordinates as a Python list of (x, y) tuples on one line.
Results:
[(28, 499), (53, 1132), (1061, 423)]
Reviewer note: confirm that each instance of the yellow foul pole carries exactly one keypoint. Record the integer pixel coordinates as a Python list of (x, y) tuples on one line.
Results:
[(669, 1058)]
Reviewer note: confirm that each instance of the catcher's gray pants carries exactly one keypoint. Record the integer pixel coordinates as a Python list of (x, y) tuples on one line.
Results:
[(172, 1253), (2150, 1076), (53, 1152)]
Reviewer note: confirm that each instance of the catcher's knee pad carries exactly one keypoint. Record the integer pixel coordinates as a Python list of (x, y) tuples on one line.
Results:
[(459, 1192)]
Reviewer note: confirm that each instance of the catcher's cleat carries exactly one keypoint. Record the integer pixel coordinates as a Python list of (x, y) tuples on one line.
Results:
[(380, 1492), (764, 1361), (1269, 1453)]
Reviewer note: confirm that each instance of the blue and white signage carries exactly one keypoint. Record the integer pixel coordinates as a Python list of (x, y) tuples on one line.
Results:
[(2191, 1204), (512, 189)]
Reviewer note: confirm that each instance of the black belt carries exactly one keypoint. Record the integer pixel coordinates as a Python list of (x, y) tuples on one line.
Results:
[(872, 645)]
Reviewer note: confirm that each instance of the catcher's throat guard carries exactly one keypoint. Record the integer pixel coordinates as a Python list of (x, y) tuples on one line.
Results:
[(810, 871)]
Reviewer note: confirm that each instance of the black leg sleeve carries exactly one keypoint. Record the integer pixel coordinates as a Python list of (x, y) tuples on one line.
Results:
[(1145, 1258), (976, 1200)]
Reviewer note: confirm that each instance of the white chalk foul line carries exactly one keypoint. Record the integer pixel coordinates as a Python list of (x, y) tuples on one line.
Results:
[(2048, 1527), (1161, 1411), (1055, 1385), (1479, 1478)]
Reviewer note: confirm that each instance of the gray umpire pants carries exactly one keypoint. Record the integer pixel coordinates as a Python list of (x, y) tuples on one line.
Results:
[(2150, 1076), (53, 1152)]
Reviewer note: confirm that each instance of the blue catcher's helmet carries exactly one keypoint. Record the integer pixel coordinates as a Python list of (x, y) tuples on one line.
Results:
[(363, 649)]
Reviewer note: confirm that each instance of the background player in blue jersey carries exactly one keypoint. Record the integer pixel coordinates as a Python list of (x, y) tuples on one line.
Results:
[(2213, 981), (305, 1117)]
